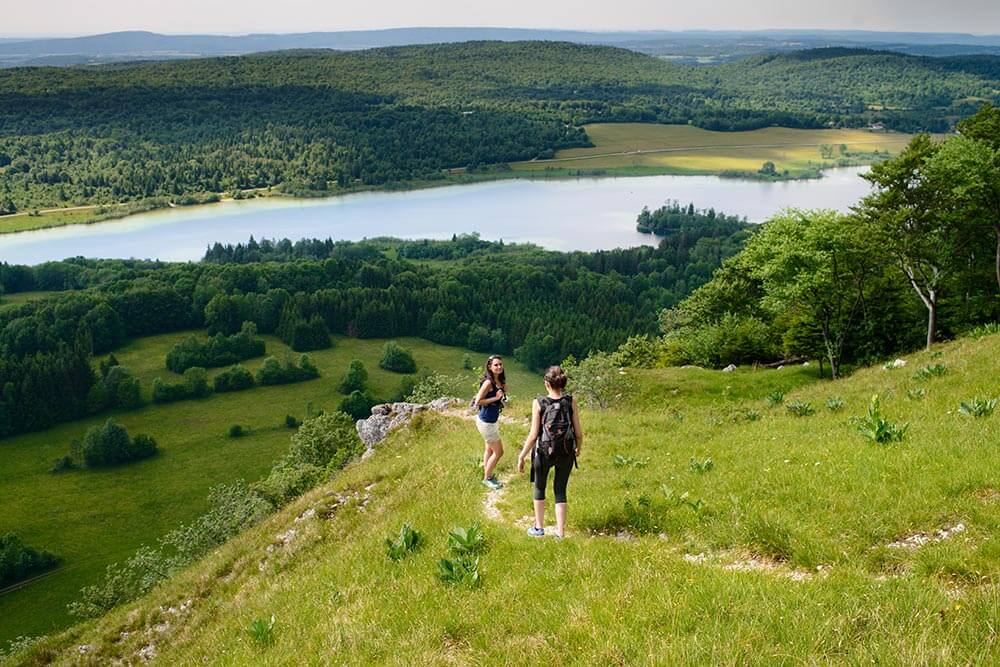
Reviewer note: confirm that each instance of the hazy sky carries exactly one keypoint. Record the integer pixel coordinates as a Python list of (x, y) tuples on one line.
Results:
[(73, 17)]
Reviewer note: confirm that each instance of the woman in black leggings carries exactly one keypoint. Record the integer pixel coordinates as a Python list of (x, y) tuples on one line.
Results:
[(565, 448)]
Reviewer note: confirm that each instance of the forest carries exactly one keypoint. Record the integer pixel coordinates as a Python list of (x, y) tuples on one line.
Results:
[(915, 262), (538, 305), (315, 122)]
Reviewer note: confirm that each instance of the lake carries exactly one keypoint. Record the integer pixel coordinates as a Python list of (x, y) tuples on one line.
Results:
[(576, 214)]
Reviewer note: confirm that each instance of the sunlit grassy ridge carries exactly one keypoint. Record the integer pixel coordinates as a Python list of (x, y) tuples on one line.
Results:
[(786, 561), (94, 518)]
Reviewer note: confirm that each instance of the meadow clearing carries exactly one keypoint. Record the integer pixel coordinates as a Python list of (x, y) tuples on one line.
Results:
[(685, 149)]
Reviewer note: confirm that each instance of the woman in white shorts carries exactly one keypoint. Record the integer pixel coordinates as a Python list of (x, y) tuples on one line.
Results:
[(489, 400)]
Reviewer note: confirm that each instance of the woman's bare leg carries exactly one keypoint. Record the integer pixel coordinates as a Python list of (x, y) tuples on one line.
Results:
[(560, 519), (494, 450), (540, 513)]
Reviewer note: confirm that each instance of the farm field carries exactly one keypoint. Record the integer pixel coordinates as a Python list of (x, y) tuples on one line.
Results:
[(687, 149), (94, 518), (707, 525)]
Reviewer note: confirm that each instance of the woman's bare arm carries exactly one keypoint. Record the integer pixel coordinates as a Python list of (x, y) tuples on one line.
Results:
[(577, 429), (483, 389), (529, 442)]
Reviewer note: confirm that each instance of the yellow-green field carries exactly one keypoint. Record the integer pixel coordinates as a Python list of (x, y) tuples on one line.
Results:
[(689, 149)]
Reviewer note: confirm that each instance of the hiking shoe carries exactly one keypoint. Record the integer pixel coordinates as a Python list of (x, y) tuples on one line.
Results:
[(496, 481), (492, 484), (536, 532)]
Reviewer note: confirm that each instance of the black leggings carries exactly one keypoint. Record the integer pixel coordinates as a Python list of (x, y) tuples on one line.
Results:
[(540, 476)]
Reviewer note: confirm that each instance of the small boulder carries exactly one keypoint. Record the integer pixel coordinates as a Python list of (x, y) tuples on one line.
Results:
[(729, 369)]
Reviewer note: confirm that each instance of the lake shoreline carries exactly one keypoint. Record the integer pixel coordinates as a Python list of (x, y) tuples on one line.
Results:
[(584, 213), (459, 178)]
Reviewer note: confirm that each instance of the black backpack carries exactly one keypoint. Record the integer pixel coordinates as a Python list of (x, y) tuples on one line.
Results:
[(556, 439)]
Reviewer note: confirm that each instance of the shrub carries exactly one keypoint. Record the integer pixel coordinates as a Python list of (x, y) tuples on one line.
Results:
[(232, 508), (775, 398), (988, 329), (463, 570), (931, 371), (262, 631), (624, 461), (834, 404), (165, 392), (196, 382), (407, 540), (977, 407), (219, 350), (733, 339), (194, 385), (19, 561), (800, 408), (286, 482), (110, 445), (701, 467), (397, 359), (356, 378), (874, 427), (469, 540), (237, 378), (292, 422), (358, 405), (236, 431), (434, 386), (116, 388), (142, 447), (272, 372), (301, 334), (466, 362), (640, 352), (598, 380), (63, 464), (327, 441)]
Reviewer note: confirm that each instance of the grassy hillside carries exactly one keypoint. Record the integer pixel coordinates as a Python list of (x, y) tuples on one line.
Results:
[(687, 149), (94, 518), (788, 558)]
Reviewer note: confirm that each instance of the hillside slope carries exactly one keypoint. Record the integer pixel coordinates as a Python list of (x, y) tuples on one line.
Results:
[(809, 543)]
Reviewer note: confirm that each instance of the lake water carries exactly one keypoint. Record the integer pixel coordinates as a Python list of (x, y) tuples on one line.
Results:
[(578, 214)]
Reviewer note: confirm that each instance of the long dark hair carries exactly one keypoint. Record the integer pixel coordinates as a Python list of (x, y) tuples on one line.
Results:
[(488, 375)]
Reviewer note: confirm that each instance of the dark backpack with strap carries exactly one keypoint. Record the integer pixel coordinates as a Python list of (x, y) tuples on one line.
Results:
[(556, 439)]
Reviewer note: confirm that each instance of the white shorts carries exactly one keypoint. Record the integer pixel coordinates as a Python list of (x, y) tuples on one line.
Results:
[(490, 432)]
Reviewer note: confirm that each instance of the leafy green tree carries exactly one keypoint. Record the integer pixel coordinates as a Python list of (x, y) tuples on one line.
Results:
[(818, 264), (196, 382), (397, 359), (358, 405), (904, 212), (356, 378), (598, 380), (110, 445)]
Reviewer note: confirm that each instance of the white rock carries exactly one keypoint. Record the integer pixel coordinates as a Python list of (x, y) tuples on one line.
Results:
[(729, 369), (389, 416)]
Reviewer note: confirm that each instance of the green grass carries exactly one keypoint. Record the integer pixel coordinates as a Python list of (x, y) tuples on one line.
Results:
[(17, 298), (91, 518), (806, 496), (631, 148)]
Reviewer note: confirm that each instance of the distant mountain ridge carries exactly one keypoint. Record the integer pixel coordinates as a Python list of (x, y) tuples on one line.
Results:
[(692, 46)]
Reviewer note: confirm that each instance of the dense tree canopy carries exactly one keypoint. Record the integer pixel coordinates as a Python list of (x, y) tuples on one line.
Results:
[(315, 121)]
